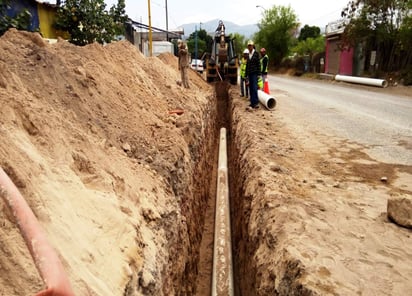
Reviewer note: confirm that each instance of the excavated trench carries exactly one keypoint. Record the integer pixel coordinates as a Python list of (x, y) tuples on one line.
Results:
[(200, 265)]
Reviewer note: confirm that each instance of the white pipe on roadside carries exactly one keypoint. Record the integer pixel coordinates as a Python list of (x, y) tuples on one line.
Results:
[(222, 277), (267, 100), (362, 80)]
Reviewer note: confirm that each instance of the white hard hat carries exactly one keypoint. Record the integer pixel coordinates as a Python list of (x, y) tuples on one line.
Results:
[(246, 51)]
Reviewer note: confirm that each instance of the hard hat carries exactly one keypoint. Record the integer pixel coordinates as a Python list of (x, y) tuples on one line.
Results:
[(250, 42), (245, 51), (262, 49)]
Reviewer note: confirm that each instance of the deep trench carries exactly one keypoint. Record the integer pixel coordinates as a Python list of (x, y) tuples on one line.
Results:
[(204, 266)]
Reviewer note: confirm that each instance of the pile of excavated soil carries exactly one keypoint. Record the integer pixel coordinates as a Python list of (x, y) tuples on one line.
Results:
[(120, 183), (89, 136)]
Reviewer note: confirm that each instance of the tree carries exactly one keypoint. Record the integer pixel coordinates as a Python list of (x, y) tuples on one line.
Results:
[(309, 32), (87, 21), (310, 46), (384, 26), (276, 32), (21, 21), (204, 43), (239, 42)]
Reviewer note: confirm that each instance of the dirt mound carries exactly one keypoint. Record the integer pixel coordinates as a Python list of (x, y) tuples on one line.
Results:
[(87, 136)]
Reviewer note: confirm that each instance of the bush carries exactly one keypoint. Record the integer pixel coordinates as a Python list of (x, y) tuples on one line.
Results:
[(299, 65), (20, 21), (286, 63), (406, 76)]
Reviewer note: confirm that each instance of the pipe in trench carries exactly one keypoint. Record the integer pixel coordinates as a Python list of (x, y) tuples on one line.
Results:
[(362, 80), (222, 276), (45, 257), (266, 100)]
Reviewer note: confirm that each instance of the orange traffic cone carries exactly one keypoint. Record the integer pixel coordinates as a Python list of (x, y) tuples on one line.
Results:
[(266, 86)]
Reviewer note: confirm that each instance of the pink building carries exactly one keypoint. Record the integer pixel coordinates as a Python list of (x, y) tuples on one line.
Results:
[(338, 58)]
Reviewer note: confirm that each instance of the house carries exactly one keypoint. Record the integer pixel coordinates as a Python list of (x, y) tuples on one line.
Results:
[(138, 34), (338, 57), (42, 13)]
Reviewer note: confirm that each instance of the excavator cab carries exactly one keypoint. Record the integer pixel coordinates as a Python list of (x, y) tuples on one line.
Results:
[(222, 64)]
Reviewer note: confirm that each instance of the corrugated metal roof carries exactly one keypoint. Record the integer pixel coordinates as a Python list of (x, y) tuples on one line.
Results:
[(46, 2)]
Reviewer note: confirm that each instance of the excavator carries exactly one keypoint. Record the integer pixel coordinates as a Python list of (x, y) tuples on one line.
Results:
[(222, 63)]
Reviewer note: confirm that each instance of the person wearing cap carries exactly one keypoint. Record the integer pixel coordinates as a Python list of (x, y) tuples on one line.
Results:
[(253, 70), (244, 89), (264, 62)]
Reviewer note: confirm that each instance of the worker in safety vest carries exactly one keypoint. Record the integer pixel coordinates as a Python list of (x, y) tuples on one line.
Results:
[(244, 89), (264, 63), (260, 82)]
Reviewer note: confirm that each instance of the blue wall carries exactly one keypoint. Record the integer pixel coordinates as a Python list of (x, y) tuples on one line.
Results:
[(17, 6)]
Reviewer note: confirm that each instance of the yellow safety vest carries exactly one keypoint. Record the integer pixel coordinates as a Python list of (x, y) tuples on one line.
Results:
[(260, 82), (243, 67), (267, 64)]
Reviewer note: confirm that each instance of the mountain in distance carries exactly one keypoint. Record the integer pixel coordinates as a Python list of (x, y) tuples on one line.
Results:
[(231, 28)]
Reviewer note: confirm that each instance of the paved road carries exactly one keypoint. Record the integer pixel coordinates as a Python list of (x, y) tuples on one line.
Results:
[(373, 117)]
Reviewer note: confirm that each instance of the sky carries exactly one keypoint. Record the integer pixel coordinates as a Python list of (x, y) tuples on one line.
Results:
[(242, 12)]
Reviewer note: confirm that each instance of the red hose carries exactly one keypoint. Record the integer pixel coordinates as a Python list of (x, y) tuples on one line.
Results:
[(45, 258)]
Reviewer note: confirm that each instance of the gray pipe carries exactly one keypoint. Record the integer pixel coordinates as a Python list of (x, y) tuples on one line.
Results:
[(222, 277), (267, 100), (362, 80)]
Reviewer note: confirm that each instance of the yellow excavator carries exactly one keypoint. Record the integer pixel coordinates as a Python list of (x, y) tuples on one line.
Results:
[(222, 63)]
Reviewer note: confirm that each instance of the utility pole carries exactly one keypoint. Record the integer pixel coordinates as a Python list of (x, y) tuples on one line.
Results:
[(167, 23), (150, 30), (196, 46)]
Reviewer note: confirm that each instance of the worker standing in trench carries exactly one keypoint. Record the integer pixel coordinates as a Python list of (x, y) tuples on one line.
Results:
[(183, 63)]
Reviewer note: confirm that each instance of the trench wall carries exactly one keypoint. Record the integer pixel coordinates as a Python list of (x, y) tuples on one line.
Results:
[(262, 264), (195, 194)]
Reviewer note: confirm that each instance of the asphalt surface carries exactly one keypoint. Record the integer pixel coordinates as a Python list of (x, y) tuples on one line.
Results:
[(378, 119)]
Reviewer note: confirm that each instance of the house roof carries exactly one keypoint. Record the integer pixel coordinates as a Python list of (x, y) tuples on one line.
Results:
[(47, 2), (336, 28)]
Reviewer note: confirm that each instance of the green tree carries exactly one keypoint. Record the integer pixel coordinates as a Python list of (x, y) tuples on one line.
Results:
[(310, 46), (239, 42), (204, 43), (88, 21), (277, 30), (384, 26), (21, 21), (309, 32)]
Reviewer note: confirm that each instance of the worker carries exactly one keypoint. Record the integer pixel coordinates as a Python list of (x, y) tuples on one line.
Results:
[(264, 63), (244, 89), (252, 73), (260, 82), (220, 30), (183, 63)]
